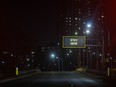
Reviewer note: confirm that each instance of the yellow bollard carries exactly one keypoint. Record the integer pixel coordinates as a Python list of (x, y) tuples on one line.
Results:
[(17, 71), (108, 71)]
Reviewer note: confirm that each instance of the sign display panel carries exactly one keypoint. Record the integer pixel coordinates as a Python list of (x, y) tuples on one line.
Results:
[(74, 42)]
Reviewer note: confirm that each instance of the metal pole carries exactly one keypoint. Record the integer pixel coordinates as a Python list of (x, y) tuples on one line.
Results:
[(90, 59), (83, 59), (87, 59), (58, 65), (108, 38), (110, 59), (79, 58), (62, 65), (103, 60)]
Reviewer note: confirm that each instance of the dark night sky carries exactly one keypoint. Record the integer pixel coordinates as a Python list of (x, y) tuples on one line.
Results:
[(27, 24)]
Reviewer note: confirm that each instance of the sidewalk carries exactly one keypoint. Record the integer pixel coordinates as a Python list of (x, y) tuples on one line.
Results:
[(109, 79), (21, 75)]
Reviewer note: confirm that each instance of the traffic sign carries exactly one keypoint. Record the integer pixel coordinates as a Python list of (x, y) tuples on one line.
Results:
[(74, 42)]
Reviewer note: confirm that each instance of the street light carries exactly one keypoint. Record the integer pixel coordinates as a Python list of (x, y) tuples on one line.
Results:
[(52, 55), (87, 31), (88, 25)]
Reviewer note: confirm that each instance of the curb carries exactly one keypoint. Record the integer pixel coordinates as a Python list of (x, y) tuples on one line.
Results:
[(92, 75), (16, 78)]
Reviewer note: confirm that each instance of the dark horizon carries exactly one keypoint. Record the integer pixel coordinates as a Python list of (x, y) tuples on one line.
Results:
[(27, 25)]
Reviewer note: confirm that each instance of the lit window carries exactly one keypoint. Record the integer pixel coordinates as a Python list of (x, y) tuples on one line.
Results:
[(66, 21), (79, 12), (11, 55), (102, 16), (79, 19), (89, 14), (89, 48), (83, 50), (66, 30), (69, 20), (75, 18), (88, 2), (76, 33), (27, 59), (79, 28), (100, 54), (3, 62), (99, 43), (66, 18), (32, 52), (98, 19), (28, 65), (58, 43), (84, 32), (61, 15), (93, 53), (69, 23), (69, 17), (89, 11), (43, 47)]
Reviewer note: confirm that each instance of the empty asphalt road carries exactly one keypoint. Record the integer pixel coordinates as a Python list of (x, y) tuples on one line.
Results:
[(57, 79)]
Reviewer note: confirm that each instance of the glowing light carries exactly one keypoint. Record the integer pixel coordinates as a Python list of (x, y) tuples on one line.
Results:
[(67, 54), (52, 55), (3, 62), (76, 33), (27, 59), (87, 31), (70, 51), (88, 25)]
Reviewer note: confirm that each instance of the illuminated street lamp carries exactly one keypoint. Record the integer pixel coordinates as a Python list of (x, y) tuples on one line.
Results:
[(87, 31), (88, 25), (52, 55)]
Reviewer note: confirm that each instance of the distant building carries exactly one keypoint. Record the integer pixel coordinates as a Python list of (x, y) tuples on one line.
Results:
[(74, 15), (83, 18)]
